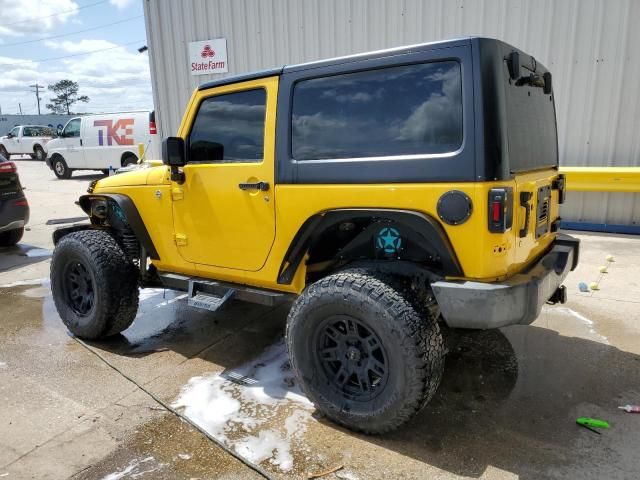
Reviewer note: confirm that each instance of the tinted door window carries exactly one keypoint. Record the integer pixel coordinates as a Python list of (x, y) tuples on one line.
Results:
[(73, 128), (229, 128), (15, 131), (396, 111)]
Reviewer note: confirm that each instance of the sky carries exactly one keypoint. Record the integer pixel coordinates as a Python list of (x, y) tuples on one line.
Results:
[(115, 78)]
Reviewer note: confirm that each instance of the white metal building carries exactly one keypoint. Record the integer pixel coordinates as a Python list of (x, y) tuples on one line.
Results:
[(591, 46)]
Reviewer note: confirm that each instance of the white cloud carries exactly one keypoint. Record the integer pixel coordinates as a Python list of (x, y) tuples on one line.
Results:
[(83, 46), (114, 79), (121, 4), (34, 16)]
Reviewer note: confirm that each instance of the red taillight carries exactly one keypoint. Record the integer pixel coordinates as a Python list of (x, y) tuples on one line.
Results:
[(152, 128), (496, 208), (500, 209), (8, 167), (21, 203)]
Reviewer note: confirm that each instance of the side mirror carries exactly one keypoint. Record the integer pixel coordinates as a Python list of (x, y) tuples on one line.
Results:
[(9, 135), (173, 155), (173, 152), (59, 132)]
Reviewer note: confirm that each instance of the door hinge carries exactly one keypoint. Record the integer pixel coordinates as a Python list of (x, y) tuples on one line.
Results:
[(180, 239), (177, 193)]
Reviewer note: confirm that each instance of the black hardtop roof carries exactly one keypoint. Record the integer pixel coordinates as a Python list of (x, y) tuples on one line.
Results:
[(456, 42)]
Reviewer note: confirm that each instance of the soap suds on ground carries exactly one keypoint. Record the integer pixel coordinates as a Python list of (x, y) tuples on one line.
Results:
[(245, 408), (136, 469)]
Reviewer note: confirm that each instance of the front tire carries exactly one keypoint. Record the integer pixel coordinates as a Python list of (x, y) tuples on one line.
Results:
[(94, 285), (60, 168), (4, 153), (11, 237), (129, 159), (362, 353)]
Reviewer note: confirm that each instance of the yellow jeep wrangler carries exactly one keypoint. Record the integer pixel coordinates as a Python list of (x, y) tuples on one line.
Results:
[(385, 195)]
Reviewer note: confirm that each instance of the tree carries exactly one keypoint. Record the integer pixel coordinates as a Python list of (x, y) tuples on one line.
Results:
[(67, 95)]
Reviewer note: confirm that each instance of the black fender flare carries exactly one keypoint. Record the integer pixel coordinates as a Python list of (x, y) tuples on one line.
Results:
[(131, 214), (427, 235)]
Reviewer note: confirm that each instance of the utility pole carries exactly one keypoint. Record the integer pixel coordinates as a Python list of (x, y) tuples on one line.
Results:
[(20, 107), (36, 90)]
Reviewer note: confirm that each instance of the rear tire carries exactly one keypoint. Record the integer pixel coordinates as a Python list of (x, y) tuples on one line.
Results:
[(94, 285), (38, 153), (362, 353), (60, 168), (11, 237)]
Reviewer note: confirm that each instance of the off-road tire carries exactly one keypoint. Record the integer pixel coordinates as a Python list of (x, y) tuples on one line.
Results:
[(4, 153), (129, 159), (38, 153), (115, 284), (11, 237), (60, 168), (412, 344)]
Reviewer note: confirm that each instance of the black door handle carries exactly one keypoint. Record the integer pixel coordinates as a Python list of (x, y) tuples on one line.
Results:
[(263, 186), (525, 198)]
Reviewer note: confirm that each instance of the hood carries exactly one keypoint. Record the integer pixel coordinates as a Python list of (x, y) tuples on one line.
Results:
[(143, 174)]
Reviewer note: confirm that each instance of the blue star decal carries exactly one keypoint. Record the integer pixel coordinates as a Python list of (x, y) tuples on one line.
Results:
[(389, 240)]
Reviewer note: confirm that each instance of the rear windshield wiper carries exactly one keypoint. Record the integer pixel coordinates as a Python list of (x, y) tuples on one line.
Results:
[(534, 79)]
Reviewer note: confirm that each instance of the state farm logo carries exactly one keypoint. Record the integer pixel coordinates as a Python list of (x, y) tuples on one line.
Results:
[(207, 51), (208, 56), (118, 131)]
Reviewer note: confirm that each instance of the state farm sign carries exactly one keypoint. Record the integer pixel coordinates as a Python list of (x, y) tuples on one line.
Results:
[(208, 56)]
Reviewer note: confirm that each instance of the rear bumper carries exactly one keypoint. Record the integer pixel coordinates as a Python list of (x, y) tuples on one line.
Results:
[(13, 216), (12, 225), (517, 301)]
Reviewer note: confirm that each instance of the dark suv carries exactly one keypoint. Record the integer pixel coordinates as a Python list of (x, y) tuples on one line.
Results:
[(14, 208)]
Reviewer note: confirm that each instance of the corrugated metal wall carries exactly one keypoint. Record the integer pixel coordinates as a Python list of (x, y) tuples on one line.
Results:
[(591, 46)]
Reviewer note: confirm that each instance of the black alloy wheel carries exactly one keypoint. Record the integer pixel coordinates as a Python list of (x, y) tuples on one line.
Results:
[(352, 356), (79, 288)]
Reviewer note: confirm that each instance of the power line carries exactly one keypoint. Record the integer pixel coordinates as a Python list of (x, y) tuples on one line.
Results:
[(71, 33), (68, 56), (56, 14)]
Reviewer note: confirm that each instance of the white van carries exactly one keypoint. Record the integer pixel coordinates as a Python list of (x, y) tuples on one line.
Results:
[(101, 142)]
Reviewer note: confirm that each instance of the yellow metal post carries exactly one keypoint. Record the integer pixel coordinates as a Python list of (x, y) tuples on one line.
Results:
[(602, 179), (141, 152)]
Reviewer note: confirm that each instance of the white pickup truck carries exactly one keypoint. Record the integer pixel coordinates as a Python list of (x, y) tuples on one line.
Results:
[(26, 140)]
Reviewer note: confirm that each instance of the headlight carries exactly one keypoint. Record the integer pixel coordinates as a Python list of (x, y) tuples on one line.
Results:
[(99, 209)]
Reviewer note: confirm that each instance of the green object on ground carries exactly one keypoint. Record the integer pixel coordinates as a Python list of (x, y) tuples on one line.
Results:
[(592, 422)]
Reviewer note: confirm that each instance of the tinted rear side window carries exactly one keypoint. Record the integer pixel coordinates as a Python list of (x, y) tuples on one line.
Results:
[(229, 128), (531, 126), (395, 111)]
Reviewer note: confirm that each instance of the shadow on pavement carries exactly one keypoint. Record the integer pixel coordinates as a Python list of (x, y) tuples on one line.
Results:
[(509, 400), (21, 255)]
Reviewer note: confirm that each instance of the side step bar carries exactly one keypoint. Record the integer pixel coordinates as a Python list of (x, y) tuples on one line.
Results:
[(205, 300), (213, 295)]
